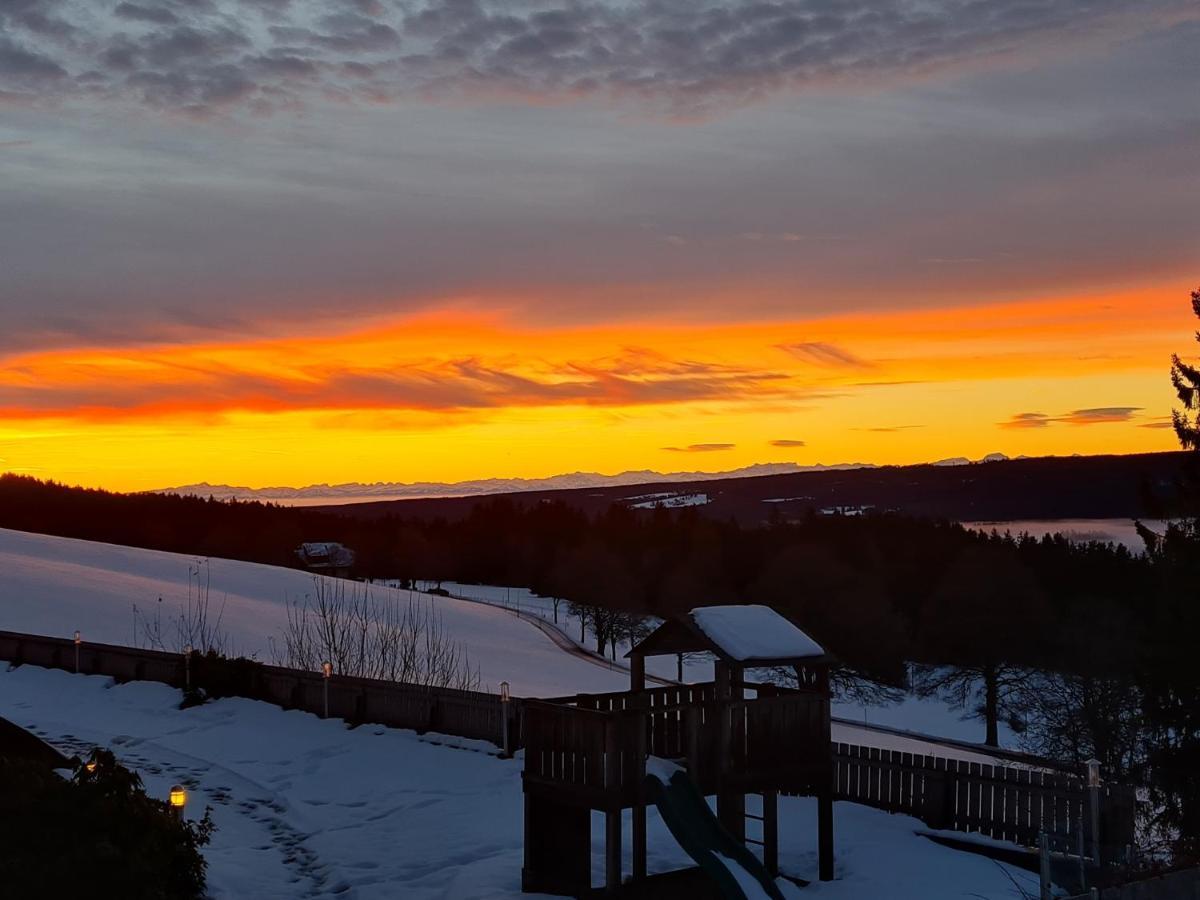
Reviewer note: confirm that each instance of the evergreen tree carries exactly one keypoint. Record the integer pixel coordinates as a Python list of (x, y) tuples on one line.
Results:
[(1186, 379)]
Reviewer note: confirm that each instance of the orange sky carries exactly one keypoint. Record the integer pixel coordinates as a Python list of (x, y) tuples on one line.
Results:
[(457, 395)]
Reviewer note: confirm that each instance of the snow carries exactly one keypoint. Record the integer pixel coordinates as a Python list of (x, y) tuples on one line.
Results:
[(53, 586), (696, 667), (668, 501), (923, 715), (305, 807), (754, 632)]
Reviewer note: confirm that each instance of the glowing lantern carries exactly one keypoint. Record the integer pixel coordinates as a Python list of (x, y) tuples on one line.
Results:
[(178, 799)]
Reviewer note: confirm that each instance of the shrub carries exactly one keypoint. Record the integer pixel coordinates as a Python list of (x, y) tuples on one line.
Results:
[(94, 834)]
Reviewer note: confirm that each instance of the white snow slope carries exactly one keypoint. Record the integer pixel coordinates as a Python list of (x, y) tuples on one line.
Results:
[(54, 586), (306, 808)]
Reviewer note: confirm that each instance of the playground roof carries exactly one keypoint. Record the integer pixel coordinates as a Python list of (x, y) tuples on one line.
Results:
[(740, 635)]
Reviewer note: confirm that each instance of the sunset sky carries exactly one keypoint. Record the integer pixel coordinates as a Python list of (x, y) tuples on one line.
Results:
[(284, 242)]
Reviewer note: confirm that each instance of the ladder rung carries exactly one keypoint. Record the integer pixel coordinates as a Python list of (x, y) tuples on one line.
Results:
[(753, 841), (754, 817)]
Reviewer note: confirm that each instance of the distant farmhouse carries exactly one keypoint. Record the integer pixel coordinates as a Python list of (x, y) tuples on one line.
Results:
[(327, 558)]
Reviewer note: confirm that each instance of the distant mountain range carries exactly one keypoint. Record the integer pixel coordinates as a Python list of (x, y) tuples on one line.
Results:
[(356, 492)]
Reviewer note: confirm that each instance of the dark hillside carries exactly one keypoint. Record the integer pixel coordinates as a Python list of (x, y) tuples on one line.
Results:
[(1080, 487)]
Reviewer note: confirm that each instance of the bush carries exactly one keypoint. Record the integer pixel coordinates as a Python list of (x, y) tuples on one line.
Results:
[(94, 834)]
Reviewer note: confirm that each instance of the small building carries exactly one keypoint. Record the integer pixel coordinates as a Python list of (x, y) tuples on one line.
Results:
[(327, 558)]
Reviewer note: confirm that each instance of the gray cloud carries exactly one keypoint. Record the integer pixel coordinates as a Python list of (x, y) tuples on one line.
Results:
[(677, 56), (1074, 170), (701, 448), (1098, 415), (783, 442), (824, 354), (457, 385)]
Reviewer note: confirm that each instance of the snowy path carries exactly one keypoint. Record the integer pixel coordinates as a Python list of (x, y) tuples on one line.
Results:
[(562, 639), (308, 808)]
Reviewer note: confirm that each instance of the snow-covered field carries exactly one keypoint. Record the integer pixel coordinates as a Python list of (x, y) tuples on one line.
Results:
[(55, 586), (52, 585), (308, 808)]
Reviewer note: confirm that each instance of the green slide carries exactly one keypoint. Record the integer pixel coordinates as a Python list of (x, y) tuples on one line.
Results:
[(723, 858)]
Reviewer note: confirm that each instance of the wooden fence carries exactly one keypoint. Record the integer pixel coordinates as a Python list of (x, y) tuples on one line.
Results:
[(1006, 803), (1003, 802), (468, 714)]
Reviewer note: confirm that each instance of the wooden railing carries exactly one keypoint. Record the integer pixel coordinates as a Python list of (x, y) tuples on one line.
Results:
[(594, 741), (596, 744), (468, 714), (1002, 802)]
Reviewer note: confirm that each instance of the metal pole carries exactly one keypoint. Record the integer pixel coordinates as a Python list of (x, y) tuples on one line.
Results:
[(504, 708), (1082, 862), (77, 642), (187, 669), (326, 673)]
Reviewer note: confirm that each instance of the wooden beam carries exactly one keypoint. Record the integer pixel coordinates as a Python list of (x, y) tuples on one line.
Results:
[(637, 673), (612, 850), (825, 834), (770, 825)]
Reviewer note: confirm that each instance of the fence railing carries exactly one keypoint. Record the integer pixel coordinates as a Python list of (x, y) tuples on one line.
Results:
[(1006, 803), (468, 714), (1002, 802)]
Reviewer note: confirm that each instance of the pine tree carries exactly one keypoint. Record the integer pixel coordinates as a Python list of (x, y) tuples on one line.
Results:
[(1186, 379)]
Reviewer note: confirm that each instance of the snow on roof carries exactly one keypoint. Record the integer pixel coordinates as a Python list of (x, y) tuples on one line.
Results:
[(754, 632)]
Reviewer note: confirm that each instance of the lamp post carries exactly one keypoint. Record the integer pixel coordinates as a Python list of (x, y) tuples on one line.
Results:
[(505, 697), (187, 668), (78, 641), (1093, 780), (326, 673), (178, 800)]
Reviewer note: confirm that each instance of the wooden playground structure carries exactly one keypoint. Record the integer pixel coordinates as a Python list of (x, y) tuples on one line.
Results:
[(590, 752)]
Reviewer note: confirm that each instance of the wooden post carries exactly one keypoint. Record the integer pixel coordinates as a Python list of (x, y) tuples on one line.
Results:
[(692, 723), (825, 835), (825, 793), (639, 808), (612, 818), (612, 850), (770, 825), (637, 673), (558, 848), (731, 806)]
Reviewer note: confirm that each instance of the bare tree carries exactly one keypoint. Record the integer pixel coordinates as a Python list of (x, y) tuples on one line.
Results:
[(197, 624), (369, 635)]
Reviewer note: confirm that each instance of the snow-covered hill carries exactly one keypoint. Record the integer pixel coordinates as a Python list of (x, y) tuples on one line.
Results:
[(54, 586)]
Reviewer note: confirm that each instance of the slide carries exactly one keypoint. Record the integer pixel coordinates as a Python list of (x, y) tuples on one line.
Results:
[(723, 858)]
